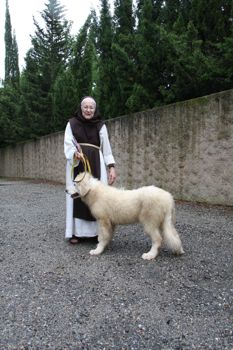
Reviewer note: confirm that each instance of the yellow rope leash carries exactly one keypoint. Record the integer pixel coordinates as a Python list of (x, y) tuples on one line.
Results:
[(84, 159), (85, 162)]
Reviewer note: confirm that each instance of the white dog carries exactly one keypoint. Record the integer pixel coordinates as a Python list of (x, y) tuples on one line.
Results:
[(149, 205)]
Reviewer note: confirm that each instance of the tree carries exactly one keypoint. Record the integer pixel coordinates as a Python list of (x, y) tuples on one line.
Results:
[(8, 45), (11, 53), (106, 84), (151, 46), (15, 63), (45, 61), (212, 19), (10, 131), (224, 59), (186, 66), (201, 66), (83, 58), (123, 51), (66, 98), (9, 93)]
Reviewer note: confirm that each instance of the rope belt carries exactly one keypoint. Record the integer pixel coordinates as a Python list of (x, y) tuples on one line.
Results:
[(90, 145)]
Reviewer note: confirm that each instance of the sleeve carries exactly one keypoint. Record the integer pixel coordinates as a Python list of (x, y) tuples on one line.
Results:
[(106, 147), (69, 148)]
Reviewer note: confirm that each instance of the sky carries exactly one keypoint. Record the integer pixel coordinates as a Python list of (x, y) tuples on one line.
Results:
[(22, 12)]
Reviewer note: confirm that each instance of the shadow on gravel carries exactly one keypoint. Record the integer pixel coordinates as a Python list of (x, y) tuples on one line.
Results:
[(56, 296)]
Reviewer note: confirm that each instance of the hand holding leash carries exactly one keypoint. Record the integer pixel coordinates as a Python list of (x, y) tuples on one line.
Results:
[(79, 156)]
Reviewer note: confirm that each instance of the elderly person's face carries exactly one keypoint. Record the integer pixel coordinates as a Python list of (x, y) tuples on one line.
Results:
[(88, 107)]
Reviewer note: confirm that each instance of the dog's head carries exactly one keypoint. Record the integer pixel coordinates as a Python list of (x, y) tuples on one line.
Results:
[(82, 183)]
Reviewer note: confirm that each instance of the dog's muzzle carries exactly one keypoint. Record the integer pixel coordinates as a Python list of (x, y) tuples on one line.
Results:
[(72, 192)]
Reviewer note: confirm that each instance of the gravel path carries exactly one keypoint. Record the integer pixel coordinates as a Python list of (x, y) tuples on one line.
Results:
[(56, 296)]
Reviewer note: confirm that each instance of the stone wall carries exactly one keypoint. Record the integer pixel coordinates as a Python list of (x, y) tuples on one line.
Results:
[(185, 148)]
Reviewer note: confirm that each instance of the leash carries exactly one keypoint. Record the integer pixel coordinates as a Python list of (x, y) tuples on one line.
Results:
[(86, 165), (87, 168), (84, 159)]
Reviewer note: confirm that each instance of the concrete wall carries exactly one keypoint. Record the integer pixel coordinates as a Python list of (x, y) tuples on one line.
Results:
[(38, 159), (185, 148)]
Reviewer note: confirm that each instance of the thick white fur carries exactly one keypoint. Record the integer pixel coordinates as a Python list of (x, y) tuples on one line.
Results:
[(149, 205)]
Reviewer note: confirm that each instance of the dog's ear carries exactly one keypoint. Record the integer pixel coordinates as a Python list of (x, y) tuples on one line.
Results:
[(82, 184), (88, 176), (79, 177)]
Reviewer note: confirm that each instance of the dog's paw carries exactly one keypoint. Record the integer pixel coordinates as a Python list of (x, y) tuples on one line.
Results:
[(95, 252), (180, 251), (148, 256)]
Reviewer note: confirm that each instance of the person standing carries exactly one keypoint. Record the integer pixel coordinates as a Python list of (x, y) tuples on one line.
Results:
[(90, 132)]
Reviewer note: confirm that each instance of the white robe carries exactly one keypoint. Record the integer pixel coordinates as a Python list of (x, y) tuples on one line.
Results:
[(74, 226)]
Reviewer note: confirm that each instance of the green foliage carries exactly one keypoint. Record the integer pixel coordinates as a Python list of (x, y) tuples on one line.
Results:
[(123, 53), (15, 63), (11, 53), (212, 19), (45, 61), (223, 63), (66, 99), (83, 58), (138, 101), (151, 47), (10, 130), (106, 91), (8, 44)]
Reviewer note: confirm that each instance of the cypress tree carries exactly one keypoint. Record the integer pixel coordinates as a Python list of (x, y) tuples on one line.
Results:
[(8, 129), (66, 99), (15, 62), (169, 12), (9, 94), (45, 61), (83, 56), (151, 44), (8, 45), (106, 85), (11, 53), (77, 80), (124, 52), (224, 59), (212, 19), (186, 65)]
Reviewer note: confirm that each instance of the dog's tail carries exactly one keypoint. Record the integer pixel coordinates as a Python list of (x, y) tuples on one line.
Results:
[(170, 235)]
